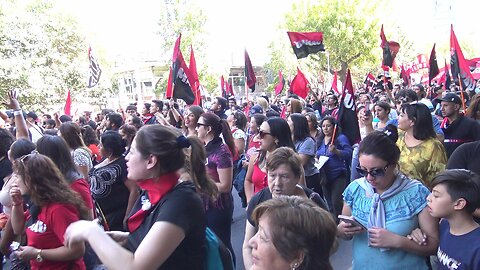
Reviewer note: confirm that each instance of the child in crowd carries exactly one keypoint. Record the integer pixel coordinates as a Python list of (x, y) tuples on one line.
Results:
[(455, 196)]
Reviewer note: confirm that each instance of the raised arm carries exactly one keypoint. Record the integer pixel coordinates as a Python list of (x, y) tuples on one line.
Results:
[(149, 254)]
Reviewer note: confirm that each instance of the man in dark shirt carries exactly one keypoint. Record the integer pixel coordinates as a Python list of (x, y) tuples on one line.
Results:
[(457, 128), (219, 106)]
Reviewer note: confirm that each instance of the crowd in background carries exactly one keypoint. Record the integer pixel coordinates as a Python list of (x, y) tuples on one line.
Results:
[(166, 172)]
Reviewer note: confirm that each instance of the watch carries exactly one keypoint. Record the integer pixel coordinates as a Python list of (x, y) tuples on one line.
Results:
[(39, 257)]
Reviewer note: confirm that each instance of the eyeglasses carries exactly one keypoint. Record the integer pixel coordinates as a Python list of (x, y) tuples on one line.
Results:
[(374, 173), (200, 124), (262, 134), (23, 158)]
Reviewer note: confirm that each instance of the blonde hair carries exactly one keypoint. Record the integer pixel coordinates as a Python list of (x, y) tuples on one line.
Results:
[(262, 102)]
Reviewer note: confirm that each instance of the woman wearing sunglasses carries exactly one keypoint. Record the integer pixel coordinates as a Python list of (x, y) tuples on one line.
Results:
[(334, 145), (390, 205), (422, 156), (53, 205), (220, 169), (273, 133)]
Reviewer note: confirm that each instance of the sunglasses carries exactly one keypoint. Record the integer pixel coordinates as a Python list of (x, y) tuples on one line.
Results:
[(374, 173), (24, 158), (262, 134), (200, 124)]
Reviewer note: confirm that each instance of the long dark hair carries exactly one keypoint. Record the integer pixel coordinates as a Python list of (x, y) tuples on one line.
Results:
[(21, 147), (300, 127), (57, 150), (322, 135), (220, 126), (89, 136), (71, 132), (382, 145), (281, 131), (169, 145), (113, 143), (46, 183), (422, 119)]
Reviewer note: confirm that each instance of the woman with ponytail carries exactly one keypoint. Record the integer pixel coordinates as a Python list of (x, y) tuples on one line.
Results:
[(167, 223), (220, 169)]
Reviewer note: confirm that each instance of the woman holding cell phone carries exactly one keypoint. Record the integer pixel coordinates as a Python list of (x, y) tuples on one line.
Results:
[(390, 205)]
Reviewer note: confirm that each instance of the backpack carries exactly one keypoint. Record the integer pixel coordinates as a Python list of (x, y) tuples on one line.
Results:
[(218, 257)]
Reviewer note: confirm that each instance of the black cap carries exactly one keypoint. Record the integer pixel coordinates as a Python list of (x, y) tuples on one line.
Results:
[(451, 97), (32, 115)]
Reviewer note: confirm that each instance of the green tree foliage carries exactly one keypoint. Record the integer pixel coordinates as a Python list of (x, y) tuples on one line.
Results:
[(41, 53), (187, 18), (350, 30)]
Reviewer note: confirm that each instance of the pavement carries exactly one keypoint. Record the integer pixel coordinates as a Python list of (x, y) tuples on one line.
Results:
[(341, 259)]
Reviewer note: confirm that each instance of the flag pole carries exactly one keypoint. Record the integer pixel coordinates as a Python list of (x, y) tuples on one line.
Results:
[(334, 133), (461, 93)]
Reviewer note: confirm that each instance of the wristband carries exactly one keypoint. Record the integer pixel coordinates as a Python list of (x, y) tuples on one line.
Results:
[(17, 112)]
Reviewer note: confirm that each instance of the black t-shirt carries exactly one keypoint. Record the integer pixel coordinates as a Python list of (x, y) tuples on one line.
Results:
[(466, 156), (5, 169), (107, 185), (182, 207), (265, 195), (462, 130)]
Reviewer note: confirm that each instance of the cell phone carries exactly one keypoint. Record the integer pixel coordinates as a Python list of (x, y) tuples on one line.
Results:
[(352, 221), (367, 109)]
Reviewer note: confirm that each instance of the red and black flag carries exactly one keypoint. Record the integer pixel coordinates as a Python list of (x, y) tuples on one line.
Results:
[(405, 76), (390, 49), (433, 66), (305, 43), (229, 88), (94, 70), (195, 81), (335, 83), (370, 80), (347, 115), (223, 87), (181, 77), (280, 85), (445, 80), (249, 73), (299, 85), (458, 64)]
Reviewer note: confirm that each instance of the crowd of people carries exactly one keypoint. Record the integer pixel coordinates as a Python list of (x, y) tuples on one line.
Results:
[(152, 187)]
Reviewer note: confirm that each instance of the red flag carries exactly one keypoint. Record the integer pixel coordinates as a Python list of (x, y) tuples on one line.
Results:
[(347, 115), (68, 104), (299, 85), (281, 84), (223, 88), (196, 82), (390, 49), (249, 73), (181, 77), (169, 92), (458, 64), (370, 80), (229, 89), (334, 83), (305, 43)]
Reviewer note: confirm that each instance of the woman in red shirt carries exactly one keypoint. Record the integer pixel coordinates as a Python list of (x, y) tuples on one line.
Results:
[(53, 205)]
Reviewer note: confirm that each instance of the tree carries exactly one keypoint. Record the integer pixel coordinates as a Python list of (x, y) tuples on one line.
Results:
[(42, 54), (350, 31), (187, 18)]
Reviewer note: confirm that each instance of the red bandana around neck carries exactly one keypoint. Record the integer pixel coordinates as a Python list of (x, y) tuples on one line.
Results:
[(155, 189)]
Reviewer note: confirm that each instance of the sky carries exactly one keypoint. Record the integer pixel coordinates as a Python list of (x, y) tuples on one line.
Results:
[(126, 29)]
